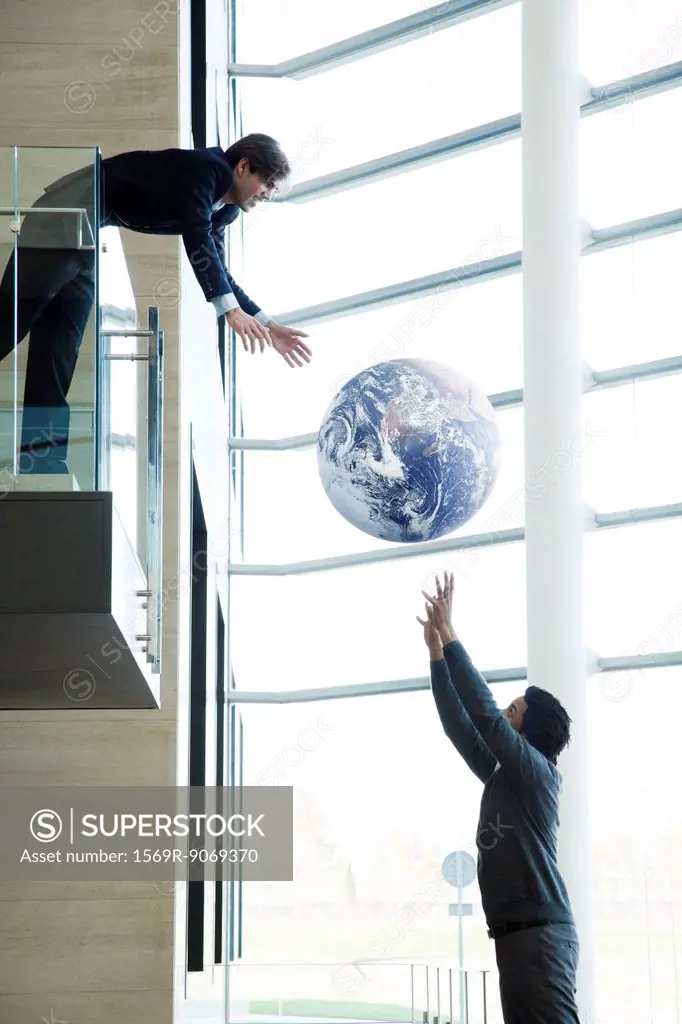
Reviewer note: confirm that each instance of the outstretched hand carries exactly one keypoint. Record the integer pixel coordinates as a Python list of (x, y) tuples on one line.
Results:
[(287, 341), (441, 607)]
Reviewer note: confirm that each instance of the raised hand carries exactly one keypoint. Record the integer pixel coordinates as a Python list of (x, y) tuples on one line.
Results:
[(441, 606), (431, 635)]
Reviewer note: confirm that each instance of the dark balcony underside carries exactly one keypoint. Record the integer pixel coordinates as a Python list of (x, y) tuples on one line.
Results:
[(69, 606)]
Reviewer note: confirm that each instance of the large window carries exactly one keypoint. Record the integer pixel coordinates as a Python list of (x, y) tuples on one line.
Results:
[(633, 585), (268, 31), (637, 840), (345, 117), (630, 445), (380, 795), (482, 324), (627, 37), (629, 302), (382, 232), (371, 839), (359, 623), (631, 166), (308, 527)]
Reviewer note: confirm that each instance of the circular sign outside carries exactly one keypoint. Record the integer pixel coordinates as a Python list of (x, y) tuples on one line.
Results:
[(459, 869)]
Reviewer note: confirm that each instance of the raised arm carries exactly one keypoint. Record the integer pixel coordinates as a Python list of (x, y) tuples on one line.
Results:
[(457, 725), (507, 746)]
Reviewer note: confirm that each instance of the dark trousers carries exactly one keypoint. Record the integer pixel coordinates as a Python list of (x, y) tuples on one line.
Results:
[(55, 293), (537, 969)]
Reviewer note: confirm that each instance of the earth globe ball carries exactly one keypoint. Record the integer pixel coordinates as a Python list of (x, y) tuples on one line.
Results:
[(408, 450)]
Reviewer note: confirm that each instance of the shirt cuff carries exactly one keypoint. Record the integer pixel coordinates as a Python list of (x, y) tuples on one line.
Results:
[(224, 303), (263, 318)]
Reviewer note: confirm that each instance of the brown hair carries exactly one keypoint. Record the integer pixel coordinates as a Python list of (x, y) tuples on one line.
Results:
[(265, 155)]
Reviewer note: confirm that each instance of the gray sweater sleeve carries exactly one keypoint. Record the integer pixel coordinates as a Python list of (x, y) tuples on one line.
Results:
[(457, 725), (512, 751)]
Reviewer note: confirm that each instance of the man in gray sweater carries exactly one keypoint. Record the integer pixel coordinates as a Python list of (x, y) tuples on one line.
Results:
[(514, 753)]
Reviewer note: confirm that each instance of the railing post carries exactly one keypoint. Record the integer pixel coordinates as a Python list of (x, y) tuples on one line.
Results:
[(154, 484)]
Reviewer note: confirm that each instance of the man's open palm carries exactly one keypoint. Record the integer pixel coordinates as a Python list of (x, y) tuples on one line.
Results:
[(287, 341)]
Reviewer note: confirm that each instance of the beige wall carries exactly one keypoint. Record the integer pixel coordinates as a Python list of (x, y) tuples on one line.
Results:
[(87, 73)]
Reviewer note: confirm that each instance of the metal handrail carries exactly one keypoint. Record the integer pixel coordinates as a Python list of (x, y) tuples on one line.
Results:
[(17, 211)]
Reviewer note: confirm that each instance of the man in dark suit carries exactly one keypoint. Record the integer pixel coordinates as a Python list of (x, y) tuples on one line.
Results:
[(192, 193)]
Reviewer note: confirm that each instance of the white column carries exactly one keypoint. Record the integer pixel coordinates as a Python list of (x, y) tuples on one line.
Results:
[(552, 400)]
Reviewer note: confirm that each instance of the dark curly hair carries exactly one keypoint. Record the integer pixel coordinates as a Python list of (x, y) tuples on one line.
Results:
[(265, 155), (546, 724)]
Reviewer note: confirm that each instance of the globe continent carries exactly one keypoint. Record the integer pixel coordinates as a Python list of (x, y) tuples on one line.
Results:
[(408, 450)]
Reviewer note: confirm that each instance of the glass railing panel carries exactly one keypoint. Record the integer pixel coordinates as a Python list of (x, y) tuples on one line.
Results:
[(123, 393), (131, 422), (48, 312), (81, 379), (131, 446)]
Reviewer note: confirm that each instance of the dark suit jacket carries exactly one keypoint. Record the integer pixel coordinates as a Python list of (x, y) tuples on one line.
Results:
[(165, 192)]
